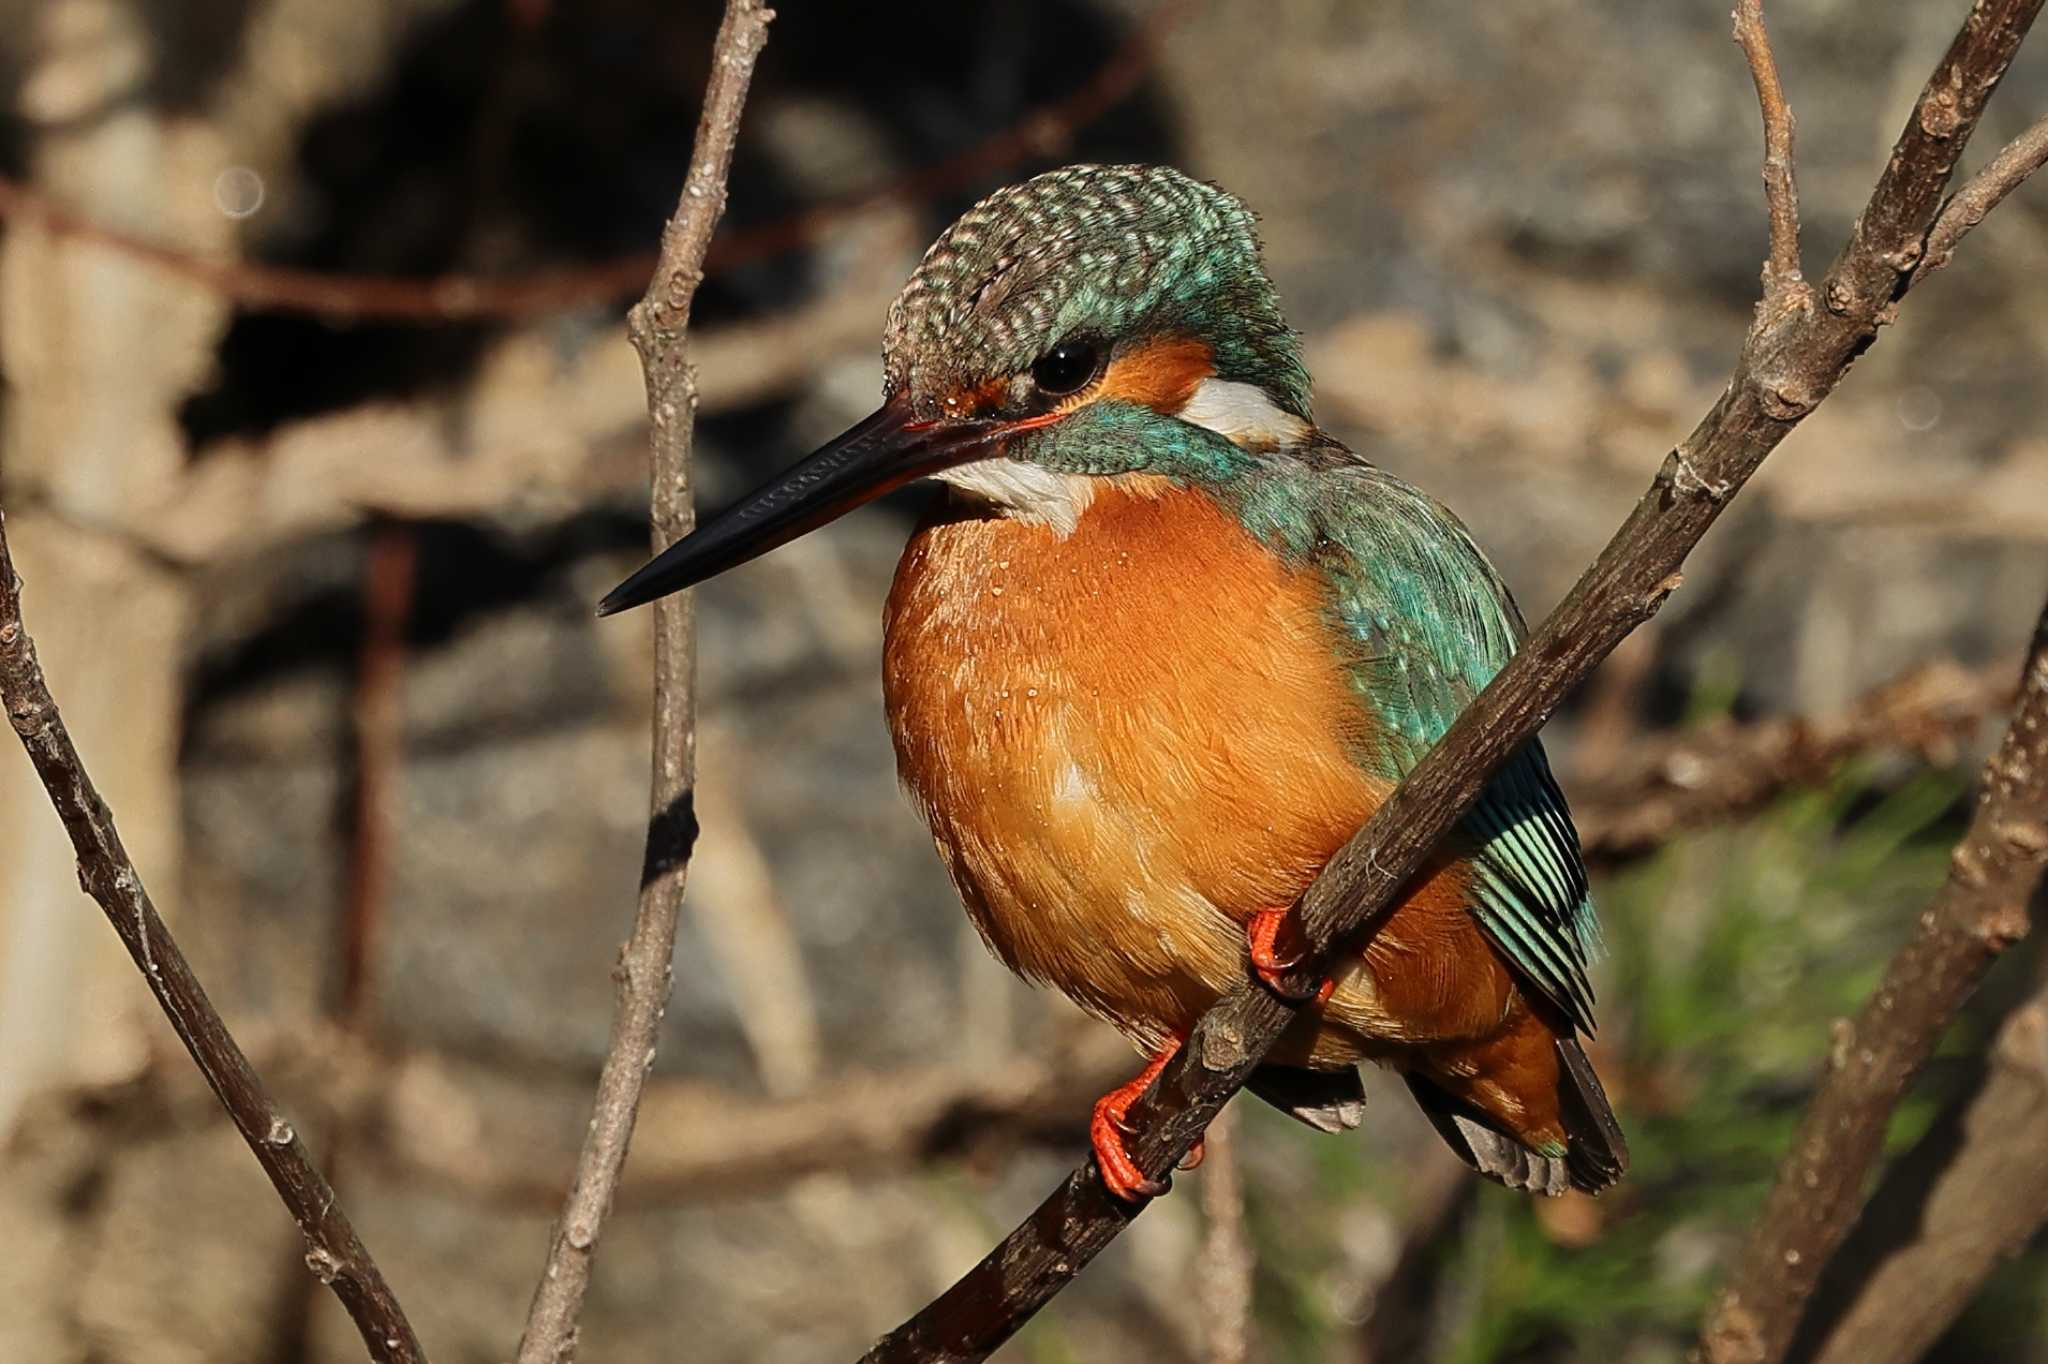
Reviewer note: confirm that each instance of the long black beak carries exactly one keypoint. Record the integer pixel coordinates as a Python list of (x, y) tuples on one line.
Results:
[(880, 455)]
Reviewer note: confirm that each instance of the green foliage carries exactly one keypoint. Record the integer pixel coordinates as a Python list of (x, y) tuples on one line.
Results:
[(1731, 953)]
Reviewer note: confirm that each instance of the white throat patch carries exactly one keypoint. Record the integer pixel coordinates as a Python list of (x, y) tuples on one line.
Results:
[(1242, 413), (1024, 490)]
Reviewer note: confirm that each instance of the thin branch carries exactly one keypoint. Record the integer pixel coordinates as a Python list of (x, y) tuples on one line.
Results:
[(1970, 1195), (1782, 273), (390, 574), (1979, 912), (696, 1141), (2005, 172), (657, 325), (1791, 359), (1725, 770), (333, 1251), (1402, 1306), (413, 1114), (1226, 1263), (1040, 132), (1889, 239)]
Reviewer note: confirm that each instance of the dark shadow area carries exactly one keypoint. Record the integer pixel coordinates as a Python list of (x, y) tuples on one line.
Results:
[(499, 148), (464, 572)]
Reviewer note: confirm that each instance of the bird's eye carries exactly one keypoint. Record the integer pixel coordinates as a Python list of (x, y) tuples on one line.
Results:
[(1064, 369)]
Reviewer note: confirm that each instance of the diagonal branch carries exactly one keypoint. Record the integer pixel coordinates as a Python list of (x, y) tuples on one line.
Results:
[(1979, 912), (333, 1251), (1791, 359), (2017, 160), (645, 973), (1969, 1196), (1725, 770)]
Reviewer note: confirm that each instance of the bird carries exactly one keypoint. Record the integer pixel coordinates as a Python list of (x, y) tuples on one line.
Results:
[(1166, 644)]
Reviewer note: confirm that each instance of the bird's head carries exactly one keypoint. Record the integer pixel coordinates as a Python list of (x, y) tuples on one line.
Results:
[(1092, 322)]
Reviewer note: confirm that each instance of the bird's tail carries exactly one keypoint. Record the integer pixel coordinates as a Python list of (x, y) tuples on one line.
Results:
[(1593, 1155)]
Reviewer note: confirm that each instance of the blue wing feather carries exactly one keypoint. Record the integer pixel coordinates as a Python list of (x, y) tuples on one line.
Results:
[(1427, 622)]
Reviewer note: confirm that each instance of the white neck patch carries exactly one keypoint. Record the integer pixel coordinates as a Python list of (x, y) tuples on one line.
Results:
[(1242, 413), (1024, 490)]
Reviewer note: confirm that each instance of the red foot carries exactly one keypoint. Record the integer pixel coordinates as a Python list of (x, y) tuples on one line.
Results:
[(1262, 936), (1106, 1133)]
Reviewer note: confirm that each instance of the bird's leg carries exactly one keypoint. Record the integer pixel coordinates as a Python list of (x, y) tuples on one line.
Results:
[(1262, 940), (1107, 1128)]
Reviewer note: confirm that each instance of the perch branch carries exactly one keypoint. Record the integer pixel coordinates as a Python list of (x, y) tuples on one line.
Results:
[(333, 1251), (657, 326), (1970, 1195), (1043, 131), (1979, 912), (1792, 358)]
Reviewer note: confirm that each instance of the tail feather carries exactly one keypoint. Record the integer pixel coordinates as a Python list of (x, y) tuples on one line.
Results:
[(1599, 1152), (1595, 1154)]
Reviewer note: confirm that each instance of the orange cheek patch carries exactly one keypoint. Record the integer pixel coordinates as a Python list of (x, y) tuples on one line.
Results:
[(1162, 374)]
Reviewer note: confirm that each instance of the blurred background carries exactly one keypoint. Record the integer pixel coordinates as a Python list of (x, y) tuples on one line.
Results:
[(311, 543)]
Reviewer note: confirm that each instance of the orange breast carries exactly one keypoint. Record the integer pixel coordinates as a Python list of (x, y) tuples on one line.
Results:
[(1130, 739)]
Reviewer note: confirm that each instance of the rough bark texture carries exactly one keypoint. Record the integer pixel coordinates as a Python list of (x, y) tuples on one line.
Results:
[(1969, 1195), (1980, 911)]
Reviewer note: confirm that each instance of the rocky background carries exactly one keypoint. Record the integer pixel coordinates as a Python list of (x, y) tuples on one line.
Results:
[(313, 585)]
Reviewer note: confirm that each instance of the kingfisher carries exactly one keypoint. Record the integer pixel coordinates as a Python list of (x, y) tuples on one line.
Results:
[(1167, 644)]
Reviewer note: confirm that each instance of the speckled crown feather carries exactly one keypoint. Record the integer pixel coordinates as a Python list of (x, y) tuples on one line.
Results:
[(1109, 251)]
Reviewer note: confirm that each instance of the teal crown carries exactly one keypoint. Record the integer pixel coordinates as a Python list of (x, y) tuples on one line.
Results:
[(1112, 253)]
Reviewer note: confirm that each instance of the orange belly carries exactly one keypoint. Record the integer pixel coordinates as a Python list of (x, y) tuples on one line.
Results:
[(1129, 740)]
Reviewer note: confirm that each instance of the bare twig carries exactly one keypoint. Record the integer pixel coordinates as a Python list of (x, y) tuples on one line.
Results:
[(1226, 1264), (1042, 131), (1979, 912), (333, 1251), (1724, 770), (657, 326), (1967, 207), (1972, 1193), (416, 1113), (389, 573), (1399, 1313), (1782, 273), (1791, 359), (701, 1143)]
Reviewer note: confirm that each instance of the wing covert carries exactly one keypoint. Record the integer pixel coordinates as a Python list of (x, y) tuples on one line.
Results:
[(1428, 623)]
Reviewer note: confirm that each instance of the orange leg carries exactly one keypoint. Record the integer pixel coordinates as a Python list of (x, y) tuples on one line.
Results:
[(1262, 940), (1106, 1134)]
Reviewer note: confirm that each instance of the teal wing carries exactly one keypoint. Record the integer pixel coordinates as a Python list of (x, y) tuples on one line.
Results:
[(1427, 622)]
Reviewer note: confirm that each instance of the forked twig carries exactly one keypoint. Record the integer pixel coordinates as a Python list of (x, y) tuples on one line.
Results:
[(1983, 192), (1791, 359), (333, 1251), (645, 973)]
